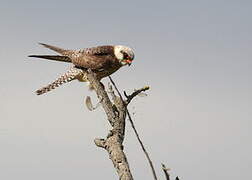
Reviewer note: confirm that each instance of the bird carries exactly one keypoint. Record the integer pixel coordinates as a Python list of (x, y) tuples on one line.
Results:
[(102, 60)]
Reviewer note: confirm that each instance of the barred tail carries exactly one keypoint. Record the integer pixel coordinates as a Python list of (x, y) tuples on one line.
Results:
[(70, 75)]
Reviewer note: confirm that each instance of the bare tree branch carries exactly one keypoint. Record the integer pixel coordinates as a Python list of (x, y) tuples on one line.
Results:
[(132, 124), (116, 113), (167, 175), (142, 146), (135, 93), (103, 97)]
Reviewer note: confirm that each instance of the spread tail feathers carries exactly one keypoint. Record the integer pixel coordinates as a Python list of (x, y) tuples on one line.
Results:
[(53, 57), (70, 75)]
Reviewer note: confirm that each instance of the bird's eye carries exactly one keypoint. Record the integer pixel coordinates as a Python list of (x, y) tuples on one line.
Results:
[(125, 55)]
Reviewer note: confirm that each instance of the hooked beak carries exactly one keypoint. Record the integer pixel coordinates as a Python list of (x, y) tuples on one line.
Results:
[(129, 61)]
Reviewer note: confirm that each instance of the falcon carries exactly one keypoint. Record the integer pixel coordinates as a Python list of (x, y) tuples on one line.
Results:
[(103, 60)]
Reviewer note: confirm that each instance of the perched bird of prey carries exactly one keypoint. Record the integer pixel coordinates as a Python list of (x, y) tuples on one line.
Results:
[(103, 60)]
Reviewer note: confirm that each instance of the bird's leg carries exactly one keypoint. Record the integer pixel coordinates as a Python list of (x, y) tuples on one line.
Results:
[(91, 88)]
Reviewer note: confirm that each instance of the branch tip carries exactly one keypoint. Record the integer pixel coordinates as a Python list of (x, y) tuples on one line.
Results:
[(135, 93), (167, 175)]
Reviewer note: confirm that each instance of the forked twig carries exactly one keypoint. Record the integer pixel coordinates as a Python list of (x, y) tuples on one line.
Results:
[(135, 93)]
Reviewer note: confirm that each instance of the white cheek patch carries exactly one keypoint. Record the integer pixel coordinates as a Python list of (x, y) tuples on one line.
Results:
[(117, 52)]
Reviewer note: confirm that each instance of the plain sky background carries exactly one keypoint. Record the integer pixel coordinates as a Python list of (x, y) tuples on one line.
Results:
[(195, 56)]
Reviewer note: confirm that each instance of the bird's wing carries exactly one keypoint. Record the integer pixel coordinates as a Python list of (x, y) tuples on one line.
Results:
[(54, 48), (96, 58)]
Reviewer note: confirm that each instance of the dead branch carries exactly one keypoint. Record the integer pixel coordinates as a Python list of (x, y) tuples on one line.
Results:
[(116, 111), (116, 114), (126, 102), (102, 96), (135, 93), (167, 175)]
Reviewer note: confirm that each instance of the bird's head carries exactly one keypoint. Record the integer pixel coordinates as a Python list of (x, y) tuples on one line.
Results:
[(124, 54)]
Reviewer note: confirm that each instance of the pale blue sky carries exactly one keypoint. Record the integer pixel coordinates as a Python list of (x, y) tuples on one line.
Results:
[(195, 56)]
